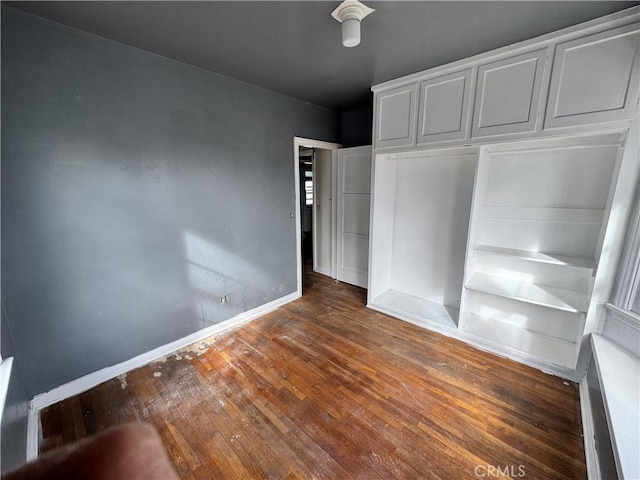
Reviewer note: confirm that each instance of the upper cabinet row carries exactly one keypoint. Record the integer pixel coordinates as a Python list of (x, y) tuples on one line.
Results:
[(547, 86)]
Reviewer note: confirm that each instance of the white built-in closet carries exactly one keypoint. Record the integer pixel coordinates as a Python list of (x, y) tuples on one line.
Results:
[(501, 186)]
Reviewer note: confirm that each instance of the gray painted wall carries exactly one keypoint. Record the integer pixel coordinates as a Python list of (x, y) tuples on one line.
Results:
[(357, 127), (13, 434), (135, 192)]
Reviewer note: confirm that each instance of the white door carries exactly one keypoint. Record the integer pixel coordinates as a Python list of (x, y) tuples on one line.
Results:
[(354, 192), (322, 215)]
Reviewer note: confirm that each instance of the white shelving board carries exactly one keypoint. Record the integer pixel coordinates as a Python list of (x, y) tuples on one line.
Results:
[(619, 375), (535, 345), (417, 309), (541, 257), (552, 297)]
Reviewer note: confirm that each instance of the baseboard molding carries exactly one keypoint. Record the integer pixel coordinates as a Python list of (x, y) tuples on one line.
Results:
[(82, 384), (481, 344), (322, 270), (33, 432), (588, 432)]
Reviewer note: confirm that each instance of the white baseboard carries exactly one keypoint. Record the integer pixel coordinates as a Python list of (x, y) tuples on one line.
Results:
[(590, 453), (481, 344), (33, 432), (82, 384), (322, 270)]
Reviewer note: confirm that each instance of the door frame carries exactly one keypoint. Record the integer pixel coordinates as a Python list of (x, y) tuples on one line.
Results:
[(311, 143)]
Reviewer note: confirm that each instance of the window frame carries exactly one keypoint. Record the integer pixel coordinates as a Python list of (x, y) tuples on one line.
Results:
[(627, 294)]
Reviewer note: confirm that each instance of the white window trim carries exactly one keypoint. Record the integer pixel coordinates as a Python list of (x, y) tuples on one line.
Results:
[(629, 272)]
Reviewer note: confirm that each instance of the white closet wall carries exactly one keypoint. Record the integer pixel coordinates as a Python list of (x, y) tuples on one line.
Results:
[(422, 205)]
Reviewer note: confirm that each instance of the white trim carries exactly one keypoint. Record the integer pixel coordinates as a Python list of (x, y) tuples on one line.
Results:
[(5, 377), (33, 432), (617, 19), (323, 270), (314, 209), (480, 343), (626, 317), (334, 214), (297, 143), (629, 278), (93, 379), (588, 432)]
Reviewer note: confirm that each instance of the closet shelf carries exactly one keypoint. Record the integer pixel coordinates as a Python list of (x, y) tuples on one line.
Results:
[(418, 309), (541, 257), (552, 297), (533, 344), (546, 214)]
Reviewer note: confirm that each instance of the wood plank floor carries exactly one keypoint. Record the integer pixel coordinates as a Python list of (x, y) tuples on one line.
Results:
[(324, 388)]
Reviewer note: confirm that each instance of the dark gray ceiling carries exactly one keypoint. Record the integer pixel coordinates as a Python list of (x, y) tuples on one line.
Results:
[(294, 47)]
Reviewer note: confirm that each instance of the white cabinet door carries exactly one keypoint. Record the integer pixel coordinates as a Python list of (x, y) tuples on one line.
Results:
[(354, 188), (508, 94), (444, 107), (595, 79), (395, 122)]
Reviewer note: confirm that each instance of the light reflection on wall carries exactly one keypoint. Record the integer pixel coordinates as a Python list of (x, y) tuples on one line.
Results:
[(214, 272)]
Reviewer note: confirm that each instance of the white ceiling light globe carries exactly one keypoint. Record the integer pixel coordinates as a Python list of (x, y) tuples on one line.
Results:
[(351, 32), (350, 13)]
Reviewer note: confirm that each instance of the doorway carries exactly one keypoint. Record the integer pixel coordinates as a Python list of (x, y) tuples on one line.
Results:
[(315, 171)]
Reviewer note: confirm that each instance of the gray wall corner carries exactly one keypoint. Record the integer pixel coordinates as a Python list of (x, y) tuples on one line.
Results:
[(136, 191)]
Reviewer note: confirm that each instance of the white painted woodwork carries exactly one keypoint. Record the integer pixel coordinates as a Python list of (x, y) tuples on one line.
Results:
[(322, 215), (538, 214), (543, 295), (552, 259), (354, 192), (551, 350), (396, 117), (622, 327), (619, 376), (543, 215), (624, 191), (617, 348), (508, 94), (530, 316), (6, 365), (421, 212), (577, 79), (444, 107), (418, 309), (595, 78), (531, 234), (295, 213), (526, 266)]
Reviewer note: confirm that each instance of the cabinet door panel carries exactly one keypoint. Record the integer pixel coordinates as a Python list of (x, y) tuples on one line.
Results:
[(396, 117), (508, 94), (595, 78), (444, 106)]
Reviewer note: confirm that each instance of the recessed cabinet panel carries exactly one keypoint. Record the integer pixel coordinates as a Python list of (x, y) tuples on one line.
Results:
[(357, 173), (353, 220), (595, 79), (355, 257), (444, 106), (507, 95), (396, 117)]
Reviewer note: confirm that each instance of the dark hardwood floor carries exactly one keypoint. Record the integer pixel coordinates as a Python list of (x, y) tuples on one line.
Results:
[(325, 388)]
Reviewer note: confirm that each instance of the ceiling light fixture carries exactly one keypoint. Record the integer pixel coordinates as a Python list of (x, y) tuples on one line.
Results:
[(350, 13)]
